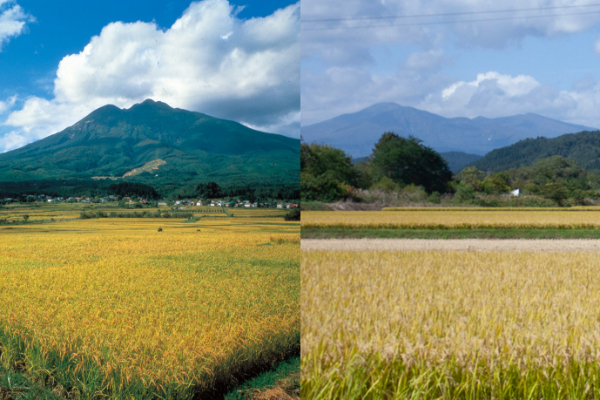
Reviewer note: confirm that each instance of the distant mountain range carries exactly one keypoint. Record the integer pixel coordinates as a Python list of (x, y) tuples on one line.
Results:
[(357, 133), (582, 147), (154, 143)]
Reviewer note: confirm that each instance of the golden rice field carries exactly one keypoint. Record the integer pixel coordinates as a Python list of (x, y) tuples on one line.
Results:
[(437, 208), (62, 211), (449, 219), (258, 212), (450, 325), (236, 211), (113, 308)]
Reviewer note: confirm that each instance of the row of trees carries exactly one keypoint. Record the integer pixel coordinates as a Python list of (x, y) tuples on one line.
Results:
[(95, 189), (128, 189), (554, 178), (328, 174), (404, 165), (212, 190)]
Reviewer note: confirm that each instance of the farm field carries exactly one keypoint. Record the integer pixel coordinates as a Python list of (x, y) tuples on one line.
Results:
[(258, 212), (450, 325), (485, 245), (67, 211), (114, 308), (582, 218), (63, 211)]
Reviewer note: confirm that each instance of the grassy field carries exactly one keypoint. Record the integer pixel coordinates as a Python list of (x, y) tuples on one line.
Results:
[(115, 308), (450, 219), (450, 325)]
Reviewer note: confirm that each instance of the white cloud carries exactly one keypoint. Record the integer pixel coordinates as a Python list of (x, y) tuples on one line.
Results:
[(13, 21), (344, 89), (8, 104), (490, 30), (489, 94), (510, 86), (496, 95), (252, 77), (339, 74), (14, 140)]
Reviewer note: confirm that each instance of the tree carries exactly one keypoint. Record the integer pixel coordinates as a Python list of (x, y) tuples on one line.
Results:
[(323, 187), (318, 159), (292, 215), (364, 174), (471, 175), (208, 190), (555, 191), (407, 161), (326, 173)]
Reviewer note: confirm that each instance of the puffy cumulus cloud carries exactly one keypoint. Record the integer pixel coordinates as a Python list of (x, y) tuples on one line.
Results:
[(504, 84), (496, 95), (208, 60), (13, 21), (39, 117), (338, 40), (489, 94), (13, 140)]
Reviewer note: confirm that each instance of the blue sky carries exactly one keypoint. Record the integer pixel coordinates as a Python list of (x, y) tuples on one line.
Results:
[(62, 59), (539, 56)]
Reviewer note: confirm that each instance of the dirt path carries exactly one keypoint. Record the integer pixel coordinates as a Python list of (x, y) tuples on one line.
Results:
[(451, 244)]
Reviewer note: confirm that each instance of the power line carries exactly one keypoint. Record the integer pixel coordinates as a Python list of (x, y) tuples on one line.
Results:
[(447, 14), (449, 22)]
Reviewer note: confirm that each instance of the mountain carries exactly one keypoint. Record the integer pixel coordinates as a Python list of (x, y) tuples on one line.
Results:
[(583, 148), (154, 143), (358, 132), (457, 160)]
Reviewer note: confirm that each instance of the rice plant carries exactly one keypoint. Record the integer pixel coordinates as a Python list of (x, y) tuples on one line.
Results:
[(111, 308), (452, 219), (450, 325)]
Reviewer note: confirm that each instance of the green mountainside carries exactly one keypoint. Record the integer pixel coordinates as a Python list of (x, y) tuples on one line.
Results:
[(582, 147), (457, 160), (158, 145)]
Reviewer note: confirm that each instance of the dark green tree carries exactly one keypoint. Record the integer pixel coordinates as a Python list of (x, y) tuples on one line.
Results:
[(322, 188), (407, 161), (555, 191), (326, 174), (208, 190), (318, 159)]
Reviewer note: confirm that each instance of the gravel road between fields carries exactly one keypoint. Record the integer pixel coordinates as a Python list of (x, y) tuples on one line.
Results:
[(558, 245)]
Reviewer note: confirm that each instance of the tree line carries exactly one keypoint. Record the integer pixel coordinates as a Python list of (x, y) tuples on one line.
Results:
[(328, 174), (405, 165), (254, 191)]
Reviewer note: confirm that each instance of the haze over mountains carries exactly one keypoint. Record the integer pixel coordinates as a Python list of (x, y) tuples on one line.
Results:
[(357, 133), (156, 143)]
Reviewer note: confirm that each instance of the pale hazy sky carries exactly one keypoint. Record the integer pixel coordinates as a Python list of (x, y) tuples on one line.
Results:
[(513, 57)]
